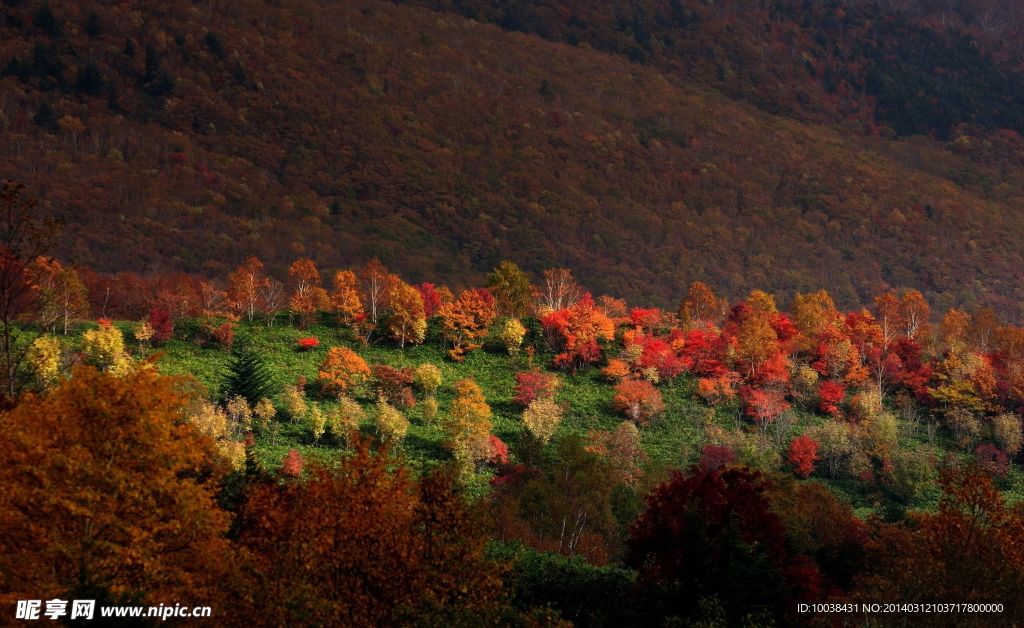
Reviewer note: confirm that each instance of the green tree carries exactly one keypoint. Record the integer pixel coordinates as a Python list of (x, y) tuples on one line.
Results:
[(248, 375), (511, 289)]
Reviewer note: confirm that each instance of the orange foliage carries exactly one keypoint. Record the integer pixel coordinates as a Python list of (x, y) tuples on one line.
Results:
[(466, 319), (104, 485), (342, 370)]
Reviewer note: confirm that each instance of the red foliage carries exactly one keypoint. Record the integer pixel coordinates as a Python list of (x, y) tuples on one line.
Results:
[(431, 299), (704, 353), (830, 394), (500, 450), (992, 460), (784, 328), (685, 536), (646, 320), (305, 344), (225, 334), (763, 405), (657, 354), (714, 457), (394, 384), (160, 321), (532, 385), (292, 463), (803, 452)]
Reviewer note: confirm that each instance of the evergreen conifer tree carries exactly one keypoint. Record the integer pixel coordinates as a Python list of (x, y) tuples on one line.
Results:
[(248, 375)]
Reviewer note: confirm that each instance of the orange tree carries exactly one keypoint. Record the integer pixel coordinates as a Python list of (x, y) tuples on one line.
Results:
[(466, 319), (342, 370), (105, 493)]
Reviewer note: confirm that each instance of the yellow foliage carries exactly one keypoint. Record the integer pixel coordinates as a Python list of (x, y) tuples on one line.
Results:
[(428, 378), (239, 411), (428, 410), (391, 424), (542, 418), (295, 403), (316, 420), (1007, 431), (344, 418), (44, 359), (104, 346), (265, 413), (512, 334)]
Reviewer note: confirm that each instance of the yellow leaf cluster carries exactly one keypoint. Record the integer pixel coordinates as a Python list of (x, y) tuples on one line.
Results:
[(542, 418)]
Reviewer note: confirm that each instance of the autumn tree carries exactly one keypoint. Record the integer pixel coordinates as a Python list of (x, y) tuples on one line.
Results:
[(467, 427), (700, 306), (342, 370), (542, 417), (915, 315), (245, 287), (466, 319), (24, 238), (408, 321), (311, 539), (574, 333), (345, 298), (813, 312), (307, 295), (558, 291), (511, 289), (106, 493), (533, 385), (63, 296), (376, 283), (803, 452), (889, 316), (639, 400)]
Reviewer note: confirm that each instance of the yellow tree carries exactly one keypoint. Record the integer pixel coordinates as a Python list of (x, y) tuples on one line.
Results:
[(812, 313), (953, 330), (62, 294), (915, 316), (246, 286), (468, 427), (408, 321)]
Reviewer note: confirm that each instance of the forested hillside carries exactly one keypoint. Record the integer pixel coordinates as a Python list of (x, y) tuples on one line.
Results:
[(180, 136)]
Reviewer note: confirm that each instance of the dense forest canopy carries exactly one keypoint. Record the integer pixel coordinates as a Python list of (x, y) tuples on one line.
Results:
[(184, 136)]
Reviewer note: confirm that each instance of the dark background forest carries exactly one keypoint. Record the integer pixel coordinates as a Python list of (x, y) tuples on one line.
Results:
[(786, 146)]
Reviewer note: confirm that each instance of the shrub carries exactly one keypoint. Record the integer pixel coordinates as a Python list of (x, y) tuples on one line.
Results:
[(305, 344)]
